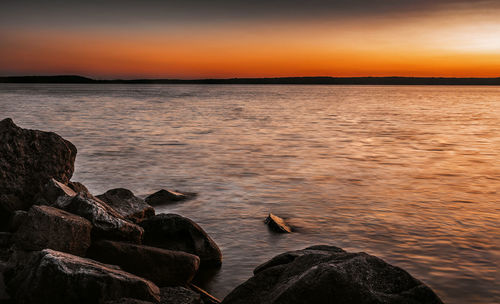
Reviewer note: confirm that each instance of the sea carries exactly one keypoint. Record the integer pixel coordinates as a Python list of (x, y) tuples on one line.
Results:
[(410, 174)]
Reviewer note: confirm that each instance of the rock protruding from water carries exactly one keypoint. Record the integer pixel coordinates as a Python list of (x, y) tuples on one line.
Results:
[(325, 274), (54, 277), (47, 227), (161, 266), (127, 204), (28, 160), (106, 222), (175, 232), (163, 197), (277, 224)]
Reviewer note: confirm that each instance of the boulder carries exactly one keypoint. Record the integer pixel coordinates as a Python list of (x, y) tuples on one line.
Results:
[(55, 277), (47, 227), (179, 295), (28, 160), (277, 224), (175, 232), (326, 274), (52, 191), (167, 196), (106, 222), (78, 187), (161, 266), (127, 204)]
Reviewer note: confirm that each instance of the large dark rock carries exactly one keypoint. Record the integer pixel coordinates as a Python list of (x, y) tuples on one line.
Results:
[(28, 160), (47, 227), (50, 276), (179, 295), (325, 274), (175, 232), (106, 222), (163, 267), (167, 196), (127, 204), (277, 224)]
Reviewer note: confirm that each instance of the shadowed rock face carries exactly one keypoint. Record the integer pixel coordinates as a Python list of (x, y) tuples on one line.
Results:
[(127, 204), (28, 160), (106, 222), (163, 267), (47, 227), (325, 274), (179, 295), (54, 277), (175, 232)]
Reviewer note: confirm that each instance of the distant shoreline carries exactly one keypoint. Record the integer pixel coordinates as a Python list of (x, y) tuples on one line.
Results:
[(74, 79)]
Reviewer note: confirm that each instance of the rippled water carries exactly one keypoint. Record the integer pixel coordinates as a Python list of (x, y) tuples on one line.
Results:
[(410, 174)]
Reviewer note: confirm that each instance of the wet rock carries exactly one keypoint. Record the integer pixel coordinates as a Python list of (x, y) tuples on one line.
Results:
[(127, 204), (175, 232), (78, 187), (106, 222), (179, 295), (55, 277), (167, 196), (28, 160), (52, 191), (163, 267), (47, 227), (325, 274), (277, 224)]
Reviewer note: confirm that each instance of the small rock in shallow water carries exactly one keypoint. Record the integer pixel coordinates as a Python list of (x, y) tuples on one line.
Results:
[(277, 224), (166, 197)]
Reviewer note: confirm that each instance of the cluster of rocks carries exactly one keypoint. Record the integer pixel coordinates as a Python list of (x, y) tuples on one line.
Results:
[(61, 244)]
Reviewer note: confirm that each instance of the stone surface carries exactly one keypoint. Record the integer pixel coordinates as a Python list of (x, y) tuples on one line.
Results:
[(78, 187), (325, 274), (127, 301), (52, 191), (47, 227), (127, 204), (28, 160), (175, 232), (179, 295), (54, 277), (106, 222), (17, 219), (277, 224), (166, 197), (161, 266)]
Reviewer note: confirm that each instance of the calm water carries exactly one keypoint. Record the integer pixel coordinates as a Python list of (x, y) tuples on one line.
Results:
[(410, 174)]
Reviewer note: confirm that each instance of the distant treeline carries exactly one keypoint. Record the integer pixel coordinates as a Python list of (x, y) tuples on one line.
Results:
[(277, 80)]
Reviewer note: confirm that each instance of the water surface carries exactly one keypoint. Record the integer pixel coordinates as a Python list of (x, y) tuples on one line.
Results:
[(410, 174)]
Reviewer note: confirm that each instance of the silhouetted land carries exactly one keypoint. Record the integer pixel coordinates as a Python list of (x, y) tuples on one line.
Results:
[(278, 80)]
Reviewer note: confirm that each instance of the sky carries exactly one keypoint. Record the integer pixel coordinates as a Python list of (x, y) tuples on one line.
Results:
[(233, 38)]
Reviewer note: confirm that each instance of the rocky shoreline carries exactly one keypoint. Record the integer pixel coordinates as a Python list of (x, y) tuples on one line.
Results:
[(61, 244)]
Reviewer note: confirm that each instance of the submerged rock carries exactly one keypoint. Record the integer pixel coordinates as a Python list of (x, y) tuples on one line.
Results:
[(127, 204), (326, 274), (47, 227), (163, 267), (106, 222), (54, 277), (28, 160), (175, 232), (167, 196), (277, 224)]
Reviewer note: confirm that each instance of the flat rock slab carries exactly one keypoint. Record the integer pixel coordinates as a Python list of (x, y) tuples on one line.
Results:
[(163, 267), (48, 227), (175, 232), (28, 160), (277, 224), (326, 274), (127, 204)]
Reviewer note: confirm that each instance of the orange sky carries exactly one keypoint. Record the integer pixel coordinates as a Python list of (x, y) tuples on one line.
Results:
[(461, 44)]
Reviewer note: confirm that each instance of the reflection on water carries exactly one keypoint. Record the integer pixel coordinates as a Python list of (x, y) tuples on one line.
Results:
[(411, 174)]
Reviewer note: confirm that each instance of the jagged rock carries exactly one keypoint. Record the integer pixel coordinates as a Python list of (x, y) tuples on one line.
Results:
[(166, 197), (325, 274), (47, 227), (277, 224), (28, 160), (78, 187), (161, 266), (55, 277), (127, 204), (179, 295), (175, 232), (106, 222), (52, 191)]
